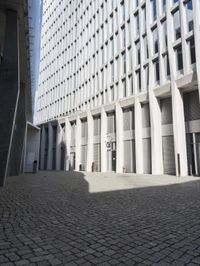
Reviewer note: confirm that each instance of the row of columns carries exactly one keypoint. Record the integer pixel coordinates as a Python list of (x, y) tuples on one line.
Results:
[(156, 137)]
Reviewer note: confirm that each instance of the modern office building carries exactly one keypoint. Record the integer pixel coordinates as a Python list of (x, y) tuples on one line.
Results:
[(19, 139), (119, 86)]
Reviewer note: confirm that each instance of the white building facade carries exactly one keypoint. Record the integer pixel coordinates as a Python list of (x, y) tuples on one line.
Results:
[(119, 86)]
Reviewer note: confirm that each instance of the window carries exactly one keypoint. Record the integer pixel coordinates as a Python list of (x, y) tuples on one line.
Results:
[(122, 12), (177, 25), (124, 87), (113, 4), (130, 59), (192, 51), (164, 31), (144, 18), (137, 53), (113, 47), (123, 38), (131, 84), (84, 129), (146, 50), (112, 93), (155, 40), (124, 62), (138, 75), (164, 5), (156, 71), (102, 98), (128, 117), (189, 15), (154, 10), (146, 70), (179, 59), (137, 23), (166, 63), (112, 72)]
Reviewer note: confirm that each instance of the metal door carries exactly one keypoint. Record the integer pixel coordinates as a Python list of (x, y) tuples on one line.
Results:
[(168, 155), (83, 157), (114, 161), (72, 161), (97, 157), (111, 160), (129, 156), (147, 155), (62, 162), (193, 153)]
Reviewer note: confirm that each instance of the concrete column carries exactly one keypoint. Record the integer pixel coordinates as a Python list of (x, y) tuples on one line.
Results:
[(78, 143), (50, 147), (68, 141), (156, 134), (196, 18), (119, 138), (42, 148), (9, 91), (103, 140), (90, 141), (179, 131), (58, 147), (138, 137)]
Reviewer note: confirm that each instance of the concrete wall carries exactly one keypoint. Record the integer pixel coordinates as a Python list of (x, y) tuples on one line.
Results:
[(9, 90), (32, 148)]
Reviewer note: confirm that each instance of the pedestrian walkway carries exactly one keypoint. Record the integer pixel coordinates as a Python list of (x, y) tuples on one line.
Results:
[(71, 218)]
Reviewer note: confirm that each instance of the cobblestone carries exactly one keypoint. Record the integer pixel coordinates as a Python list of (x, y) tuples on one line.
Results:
[(57, 218)]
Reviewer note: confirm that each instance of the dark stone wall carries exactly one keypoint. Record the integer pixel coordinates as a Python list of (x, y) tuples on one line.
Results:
[(9, 90)]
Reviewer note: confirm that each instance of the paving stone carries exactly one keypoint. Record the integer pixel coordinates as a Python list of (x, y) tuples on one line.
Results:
[(52, 218), (22, 262)]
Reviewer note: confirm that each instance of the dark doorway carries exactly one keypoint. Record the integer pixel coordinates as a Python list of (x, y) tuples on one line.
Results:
[(114, 161)]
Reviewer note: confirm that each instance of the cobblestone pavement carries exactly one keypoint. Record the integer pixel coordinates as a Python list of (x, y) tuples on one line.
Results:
[(54, 219)]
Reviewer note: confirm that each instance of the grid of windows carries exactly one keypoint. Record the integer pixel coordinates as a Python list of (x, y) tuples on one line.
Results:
[(96, 52)]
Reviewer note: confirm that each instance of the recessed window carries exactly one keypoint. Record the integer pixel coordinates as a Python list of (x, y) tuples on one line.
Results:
[(137, 53), (123, 38), (124, 88), (154, 10), (155, 40), (164, 31), (138, 75), (131, 84), (156, 71), (124, 62), (164, 5), (146, 50), (137, 23), (166, 65), (179, 58), (192, 51), (177, 25), (189, 15), (146, 71)]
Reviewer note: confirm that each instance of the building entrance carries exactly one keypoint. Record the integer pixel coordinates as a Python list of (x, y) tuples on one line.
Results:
[(111, 157), (193, 153), (72, 161)]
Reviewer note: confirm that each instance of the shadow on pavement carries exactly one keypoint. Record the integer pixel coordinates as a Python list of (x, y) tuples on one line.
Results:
[(52, 218)]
